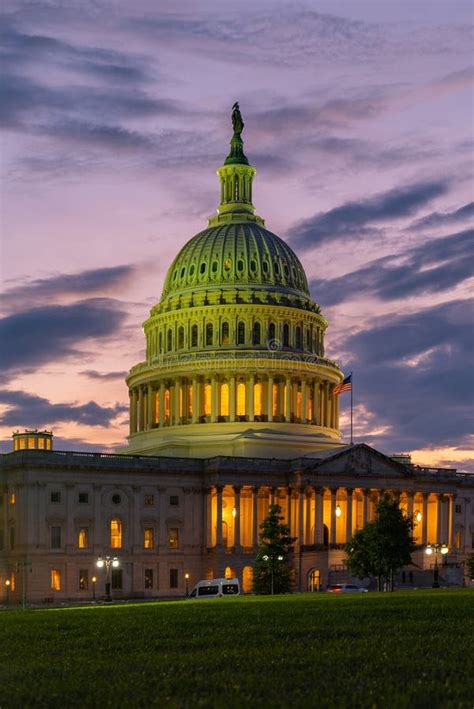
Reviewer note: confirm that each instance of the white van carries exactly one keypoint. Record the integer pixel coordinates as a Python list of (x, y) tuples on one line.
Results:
[(216, 588)]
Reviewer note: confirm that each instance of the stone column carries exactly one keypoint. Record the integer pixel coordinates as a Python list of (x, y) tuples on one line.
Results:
[(232, 393), (140, 408), (288, 388), (424, 521), (219, 490), (133, 412), (214, 399), (197, 398), (365, 506), (309, 499), (301, 539), (349, 492), (250, 398), (237, 491), (255, 516), (450, 539), (207, 518), (289, 499), (315, 413), (318, 522), (304, 401), (336, 410), (161, 405), (439, 519), (150, 407), (194, 413), (333, 516), (270, 398), (177, 401)]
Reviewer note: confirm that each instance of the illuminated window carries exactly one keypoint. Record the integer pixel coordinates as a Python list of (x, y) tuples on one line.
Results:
[(241, 399), (22, 443), (194, 336), (229, 572), (299, 404), (209, 333), (224, 399), (173, 538), (55, 537), (286, 335), (41, 443), (148, 578), (256, 334), (458, 539), (48, 443), (180, 337), (258, 399), (247, 579), (115, 534), (12, 498), (275, 399), (190, 400), (173, 578), (83, 538), (241, 333), (225, 333), (207, 399), (167, 405), (55, 580), (148, 535), (31, 442), (12, 581), (83, 579)]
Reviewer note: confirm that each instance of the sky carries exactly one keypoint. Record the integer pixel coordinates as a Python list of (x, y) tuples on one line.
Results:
[(359, 120)]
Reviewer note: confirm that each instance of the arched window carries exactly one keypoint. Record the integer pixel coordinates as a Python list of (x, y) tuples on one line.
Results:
[(298, 337), (225, 333), (224, 407), (258, 399), (271, 332), (115, 533), (314, 580), (308, 340), (194, 336), (229, 573), (247, 579), (169, 343), (180, 337), (241, 399), (286, 335), (207, 399), (241, 333), (256, 333), (167, 406), (209, 333)]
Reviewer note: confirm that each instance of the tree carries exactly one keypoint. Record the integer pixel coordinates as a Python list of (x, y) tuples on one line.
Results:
[(383, 546), (470, 567), (271, 571)]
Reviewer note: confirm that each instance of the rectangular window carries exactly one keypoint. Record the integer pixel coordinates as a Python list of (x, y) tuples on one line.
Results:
[(117, 579), (12, 498), (41, 443), (148, 578), (55, 497), (173, 538), (148, 538), (149, 500), (12, 538), (83, 579), (116, 534), (458, 509), (174, 500), (55, 537), (55, 580), (83, 538), (83, 498), (173, 578)]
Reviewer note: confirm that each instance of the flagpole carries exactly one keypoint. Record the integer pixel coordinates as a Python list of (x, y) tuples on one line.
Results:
[(352, 385)]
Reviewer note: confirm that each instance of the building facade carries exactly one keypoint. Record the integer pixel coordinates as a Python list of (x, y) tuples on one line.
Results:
[(233, 408)]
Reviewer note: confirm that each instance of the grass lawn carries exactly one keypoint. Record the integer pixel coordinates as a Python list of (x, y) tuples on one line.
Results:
[(406, 649)]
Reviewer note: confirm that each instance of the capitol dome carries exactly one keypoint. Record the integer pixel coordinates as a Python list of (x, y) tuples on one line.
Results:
[(235, 359)]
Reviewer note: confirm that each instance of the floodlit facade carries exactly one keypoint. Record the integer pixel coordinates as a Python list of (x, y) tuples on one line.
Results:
[(233, 409)]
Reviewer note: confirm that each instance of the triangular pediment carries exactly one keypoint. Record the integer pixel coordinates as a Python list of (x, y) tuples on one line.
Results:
[(362, 460)]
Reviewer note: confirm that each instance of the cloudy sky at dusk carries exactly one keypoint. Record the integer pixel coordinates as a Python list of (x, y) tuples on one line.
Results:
[(358, 117)]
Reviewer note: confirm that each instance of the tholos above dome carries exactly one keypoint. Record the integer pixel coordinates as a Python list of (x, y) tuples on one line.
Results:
[(243, 254)]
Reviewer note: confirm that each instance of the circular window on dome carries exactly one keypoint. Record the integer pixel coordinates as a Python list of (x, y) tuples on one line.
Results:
[(227, 264), (191, 270), (265, 266), (240, 265), (253, 265), (203, 267), (215, 266), (116, 499)]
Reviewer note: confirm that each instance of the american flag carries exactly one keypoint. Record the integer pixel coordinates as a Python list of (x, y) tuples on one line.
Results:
[(345, 386)]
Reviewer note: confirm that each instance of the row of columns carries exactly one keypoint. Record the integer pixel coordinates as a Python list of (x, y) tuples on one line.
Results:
[(181, 401), (314, 534)]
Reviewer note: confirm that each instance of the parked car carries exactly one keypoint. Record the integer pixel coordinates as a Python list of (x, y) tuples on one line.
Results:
[(345, 588), (216, 588)]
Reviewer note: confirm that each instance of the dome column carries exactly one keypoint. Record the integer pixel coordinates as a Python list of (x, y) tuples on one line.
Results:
[(140, 408), (255, 516), (333, 516), (304, 401), (349, 493), (270, 398), (150, 407), (176, 402), (232, 392), (161, 405), (195, 401), (250, 398), (237, 490), (288, 392), (318, 520), (214, 398)]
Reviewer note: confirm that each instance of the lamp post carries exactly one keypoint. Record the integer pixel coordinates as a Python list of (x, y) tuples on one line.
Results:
[(7, 589), (186, 578), (272, 558), (107, 562), (94, 580), (435, 549)]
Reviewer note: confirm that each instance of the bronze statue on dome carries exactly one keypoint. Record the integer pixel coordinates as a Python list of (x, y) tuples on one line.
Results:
[(237, 122)]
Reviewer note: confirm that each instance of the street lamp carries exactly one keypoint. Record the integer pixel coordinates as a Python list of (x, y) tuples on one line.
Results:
[(338, 511), (107, 562), (7, 588), (272, 558), (436, 548), (94, 581), (418, 517), (186, 577)]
